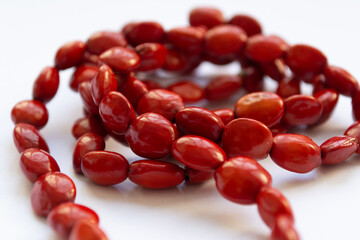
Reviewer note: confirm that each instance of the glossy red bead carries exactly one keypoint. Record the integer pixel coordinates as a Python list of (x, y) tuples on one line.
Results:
[(103, 82), (246, 137), (189, 39), (104, 167), (144, 32), (152, 56), (63, 218), (328, 99), (225, 39), (265, 107), (46, 85), (223, 87), (120, 59), (116, 112), (296, 153), (155, 174), (189, 91), (69, 55), (355, 102), (87, 230), (253, 79), (302, 110), (250, 25), (90, 59), (284, 229), (83, 73), (35, 162), (174, 61), (341, 80), (305, 61), (198, 153), (151, 135), (87, 99), (288, 87), (88, 125), (271, 203), (206, 16), (240, 180), (193, 176), (264, 48), (133, 89), (275, 69), (102, 41), (160, 101), (225, 114), (338, 149), (27, 136), (30, 111), (86, 143), (50, 190), (354, 131), (318, 83)]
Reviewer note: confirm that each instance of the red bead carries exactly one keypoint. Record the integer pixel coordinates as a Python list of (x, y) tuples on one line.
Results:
[(225, 39), (284, 229), (86, 143), (278, 129), (338, 149), (206, 16), (103, 82), (223, 87), (88, 125), (198, 153), (341, 80), (225, 114), (275, 69), (246, 137), (105, 168), (189, 91), (302, 110), (354, 131), (83, 73), (253, 79), (120, 59), (328, 99), (144, 32), (46, 84), (87, 99), (63, 218), (296, 153), (133, 89), (69, 55), (194, 176), (27, 136), (264, 48), (102, 41), (356, 106), (116, 112), (318, 83), (152, 56), (250, 25), (86, 230), (288, 87), (151, 135), (50, 190), (240, 179), (90, 59), (155, 174), (271, 203), (265, 107), (30, 111), (189, 39), (174, 61), (151, 84), (160, 101), (305, 61), (35, 162)]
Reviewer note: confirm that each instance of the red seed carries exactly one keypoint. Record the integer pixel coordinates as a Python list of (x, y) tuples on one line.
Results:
[(86, 230), (46, 85), (83, 73), (219, 59), (253, 79), (338, 149), (278, 129), (144, 32), (27, 136), (87, 99), (189, 39), (225, 114), (90, 59), (133, 89), (341, 80), (120, 59), (354, 131), (284, 229), (190, 92), (275, 69), (328, 99), (264, 48), (30, 111), (69, 55), (174, 61), (223, 87), (103, 82), (152, 56), (318, 83), (240, 179), (194, 176), (288, 87), (151, 84), (102, 41), (206, 16), (356, 106), (250, 25), (88, 125)]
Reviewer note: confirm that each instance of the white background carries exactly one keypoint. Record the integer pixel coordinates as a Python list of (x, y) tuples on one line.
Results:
[(326, 202)]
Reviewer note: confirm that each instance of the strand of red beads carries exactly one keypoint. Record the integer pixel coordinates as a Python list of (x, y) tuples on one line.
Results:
[(221, 143)]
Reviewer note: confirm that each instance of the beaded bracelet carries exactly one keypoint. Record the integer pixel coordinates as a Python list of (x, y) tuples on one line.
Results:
[(221, 144)]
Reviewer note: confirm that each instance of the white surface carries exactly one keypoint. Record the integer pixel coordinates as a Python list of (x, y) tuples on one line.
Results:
[(325, 201)]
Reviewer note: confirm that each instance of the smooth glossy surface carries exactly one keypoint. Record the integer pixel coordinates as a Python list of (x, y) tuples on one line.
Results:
[(27, 136), (284, 229), (30, 111), (328, 99), (144, 32), (246, 137), (174, 61), (199, 121), (116, 112), (87, 99), (120, 59), (46, 84), (35, 162), (152, 56), (103, 82), (338, 149), (223, 87), (250, 25), (155, 174), (69, 55), (83, 73), (133, 89), (189, 39), (296, 153), (86, 230), (341, 80), (102, 41), (189, 91), (288, 87), (50, 190), (193, 176), (264, 48), (265, 107), (88, 125), (225, 114), (354, 131), (198, 153), (240, 179), (206, 16)]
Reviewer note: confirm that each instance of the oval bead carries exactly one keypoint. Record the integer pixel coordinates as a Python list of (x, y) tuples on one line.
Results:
[(120, 59), (288, 87), (103, 82), (144, 32), (338, 149), (354, 131), (116, 112), (189, 91), (30, 111), (222, 87), (328, 99), (284, 229), (206, 16), (198, 153), (355, 103), (193, 176), (250, 25), (246, 137), (296, 153), (151, 135), (253, 79), (83, 73), (133, 89), (27, 136), (240, 179), (174, 61), (69, 55), (275, 69), (225, 114), (265, 107), (88, 125), (104, 167), (262, 48), (87, 99), (152, 56), (187, 38), (155, 174), (63, 218), (46, 85), (50, 190), (35, 162), (102, 41), (341, 80), (86, 230)]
